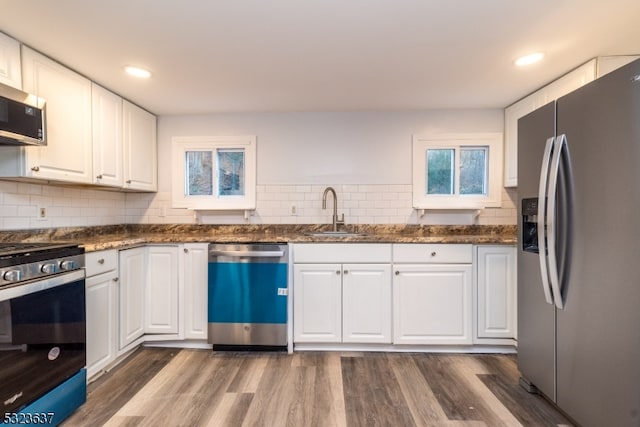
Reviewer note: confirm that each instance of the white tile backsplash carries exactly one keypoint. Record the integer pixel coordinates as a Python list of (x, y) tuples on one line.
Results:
[(361, 204)]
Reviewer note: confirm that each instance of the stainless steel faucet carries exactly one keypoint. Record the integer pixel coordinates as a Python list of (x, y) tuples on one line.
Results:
[(336, 221)]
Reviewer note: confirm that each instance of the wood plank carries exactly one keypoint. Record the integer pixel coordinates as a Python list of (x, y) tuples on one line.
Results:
[(372, 394), (503, 381), (115, 388), (420, 399), (203, 388), (452, 391), (231, 410)]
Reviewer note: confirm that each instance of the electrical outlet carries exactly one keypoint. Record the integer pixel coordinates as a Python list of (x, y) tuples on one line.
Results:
[(294, 210), (42, 212)]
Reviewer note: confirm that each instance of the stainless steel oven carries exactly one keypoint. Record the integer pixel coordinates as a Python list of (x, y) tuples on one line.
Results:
[(42, 320)]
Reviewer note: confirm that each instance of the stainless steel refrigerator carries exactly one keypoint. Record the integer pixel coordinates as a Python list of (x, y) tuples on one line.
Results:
[(579, 250)]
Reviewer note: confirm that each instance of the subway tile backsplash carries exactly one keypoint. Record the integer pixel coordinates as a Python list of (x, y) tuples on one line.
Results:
[(21, 205)]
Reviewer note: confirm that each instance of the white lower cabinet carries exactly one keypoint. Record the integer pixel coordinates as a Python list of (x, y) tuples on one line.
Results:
[(432, 294), (342, 302), (161, 290), (366, 303), (148, 293), (317, 303), (101, 309), (496, 292), (132, 283), (195, 290)]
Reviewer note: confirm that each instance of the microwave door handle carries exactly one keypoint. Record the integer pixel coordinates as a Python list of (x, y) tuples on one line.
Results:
[(542, 210), (554, 276)]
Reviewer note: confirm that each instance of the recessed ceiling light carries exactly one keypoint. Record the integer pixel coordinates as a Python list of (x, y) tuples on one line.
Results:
[(532, 58), (137, 72)]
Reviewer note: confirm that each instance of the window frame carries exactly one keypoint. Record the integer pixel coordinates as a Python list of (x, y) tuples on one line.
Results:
[(182, 144), (456, 141)]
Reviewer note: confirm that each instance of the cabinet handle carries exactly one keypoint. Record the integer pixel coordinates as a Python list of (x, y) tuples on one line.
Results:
[(115, 279), (101, 261), (128, 181), (99, 177), (35, 168), (433, 253), (186, 251), (346, 272), (337, 271), (397, 273)]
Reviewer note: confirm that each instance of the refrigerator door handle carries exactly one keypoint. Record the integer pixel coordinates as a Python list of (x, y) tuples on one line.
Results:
[(542, 211), (561, 144)]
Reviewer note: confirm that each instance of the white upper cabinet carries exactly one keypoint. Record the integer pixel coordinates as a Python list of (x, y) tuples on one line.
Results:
[(107, 137), (565, 84), (568, 83), (10, 62), (67, 156), (607, 64), (140, 149)]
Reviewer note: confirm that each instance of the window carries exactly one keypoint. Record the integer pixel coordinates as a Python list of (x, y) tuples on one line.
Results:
[(457, 171), (214, 172)]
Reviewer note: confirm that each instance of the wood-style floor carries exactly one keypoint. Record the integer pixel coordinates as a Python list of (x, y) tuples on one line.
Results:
[(171, 387)]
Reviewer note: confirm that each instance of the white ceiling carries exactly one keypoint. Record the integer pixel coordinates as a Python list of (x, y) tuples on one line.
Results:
[(322, 55)]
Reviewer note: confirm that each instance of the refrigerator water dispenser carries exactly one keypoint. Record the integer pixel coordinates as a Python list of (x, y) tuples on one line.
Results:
[(529, 228)]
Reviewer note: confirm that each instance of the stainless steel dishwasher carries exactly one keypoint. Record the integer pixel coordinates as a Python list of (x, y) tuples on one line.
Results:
[(248, 291)]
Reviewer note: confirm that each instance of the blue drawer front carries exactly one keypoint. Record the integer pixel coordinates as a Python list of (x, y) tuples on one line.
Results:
[(247, 292), (62, 401)]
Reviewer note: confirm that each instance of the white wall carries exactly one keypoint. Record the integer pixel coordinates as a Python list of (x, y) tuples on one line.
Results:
[(365, 156), (337, 148)]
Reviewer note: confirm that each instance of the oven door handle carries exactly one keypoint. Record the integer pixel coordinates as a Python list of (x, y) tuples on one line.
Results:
[(21, 289)]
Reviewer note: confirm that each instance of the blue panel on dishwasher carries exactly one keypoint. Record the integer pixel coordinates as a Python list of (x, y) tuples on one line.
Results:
[(247, 292)]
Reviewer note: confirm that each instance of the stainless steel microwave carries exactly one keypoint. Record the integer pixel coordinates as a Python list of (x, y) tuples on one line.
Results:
[(22, 118)]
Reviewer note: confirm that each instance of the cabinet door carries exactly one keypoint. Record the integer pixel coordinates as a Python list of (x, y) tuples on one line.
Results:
[(140, 150), (102, 321), (497, 301), (161, 294), (67, 155), (195, 290), (132, 281), (571, 81), (10, 62), (107, 137), (432, 304), (511, 116), (317, 303), (366, 303), (562, 86)]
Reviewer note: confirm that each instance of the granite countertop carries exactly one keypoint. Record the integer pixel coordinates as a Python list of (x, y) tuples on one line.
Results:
[(125, 236)]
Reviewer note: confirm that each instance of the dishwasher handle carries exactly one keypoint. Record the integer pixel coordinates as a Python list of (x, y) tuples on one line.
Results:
[(242, 253)]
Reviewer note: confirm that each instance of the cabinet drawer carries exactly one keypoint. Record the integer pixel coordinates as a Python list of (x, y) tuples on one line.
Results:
[(341, 253), (100, 262), (437, 253)]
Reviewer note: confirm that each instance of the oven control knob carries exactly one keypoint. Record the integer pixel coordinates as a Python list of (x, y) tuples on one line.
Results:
[(68, 265), (49, 268), (12, 275)]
